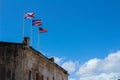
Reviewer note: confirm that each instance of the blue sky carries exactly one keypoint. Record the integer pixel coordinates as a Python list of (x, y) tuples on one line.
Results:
[(78, 30)]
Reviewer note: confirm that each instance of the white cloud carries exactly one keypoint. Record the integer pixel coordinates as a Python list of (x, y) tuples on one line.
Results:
[(94, 69), (102, 76), (58, 60), (112, 62), (72, 79), (69, 66), (89, 68), (97, 69)]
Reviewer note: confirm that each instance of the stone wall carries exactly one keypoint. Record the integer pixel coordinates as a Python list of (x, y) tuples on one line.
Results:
[(37, 67), (21, 62), (10, 61)]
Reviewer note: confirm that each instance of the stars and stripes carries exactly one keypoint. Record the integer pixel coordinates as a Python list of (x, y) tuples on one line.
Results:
[(36, 22), (29, 15), (42, 30)]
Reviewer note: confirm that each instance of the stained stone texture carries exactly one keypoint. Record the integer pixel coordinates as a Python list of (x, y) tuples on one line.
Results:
[(19, 61)]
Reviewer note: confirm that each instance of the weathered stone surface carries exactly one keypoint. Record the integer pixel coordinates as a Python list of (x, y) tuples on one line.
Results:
[(21, 62), (8, 73)]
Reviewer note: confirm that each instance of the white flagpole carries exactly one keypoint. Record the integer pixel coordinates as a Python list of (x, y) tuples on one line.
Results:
[(38, 40), (31, 35), (23, 27)]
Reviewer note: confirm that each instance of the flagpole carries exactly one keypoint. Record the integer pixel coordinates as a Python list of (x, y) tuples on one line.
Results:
[(31, 35), (38, 40), (23, 27)]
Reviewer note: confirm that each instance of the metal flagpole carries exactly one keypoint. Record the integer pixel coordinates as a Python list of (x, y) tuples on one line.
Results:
[(31, 35), (23, 26), (38, 40), (23, 49)]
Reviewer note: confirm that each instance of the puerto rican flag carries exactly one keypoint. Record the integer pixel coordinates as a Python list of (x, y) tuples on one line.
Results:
[(36, 22), (29, 15)]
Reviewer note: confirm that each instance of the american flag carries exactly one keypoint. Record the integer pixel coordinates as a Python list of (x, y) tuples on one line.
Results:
[(29, 15), (36, 22), (42, 30)]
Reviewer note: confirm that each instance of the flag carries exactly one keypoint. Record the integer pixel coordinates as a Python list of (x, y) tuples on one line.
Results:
[(36, 22), (42, 30), (29, 15)]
